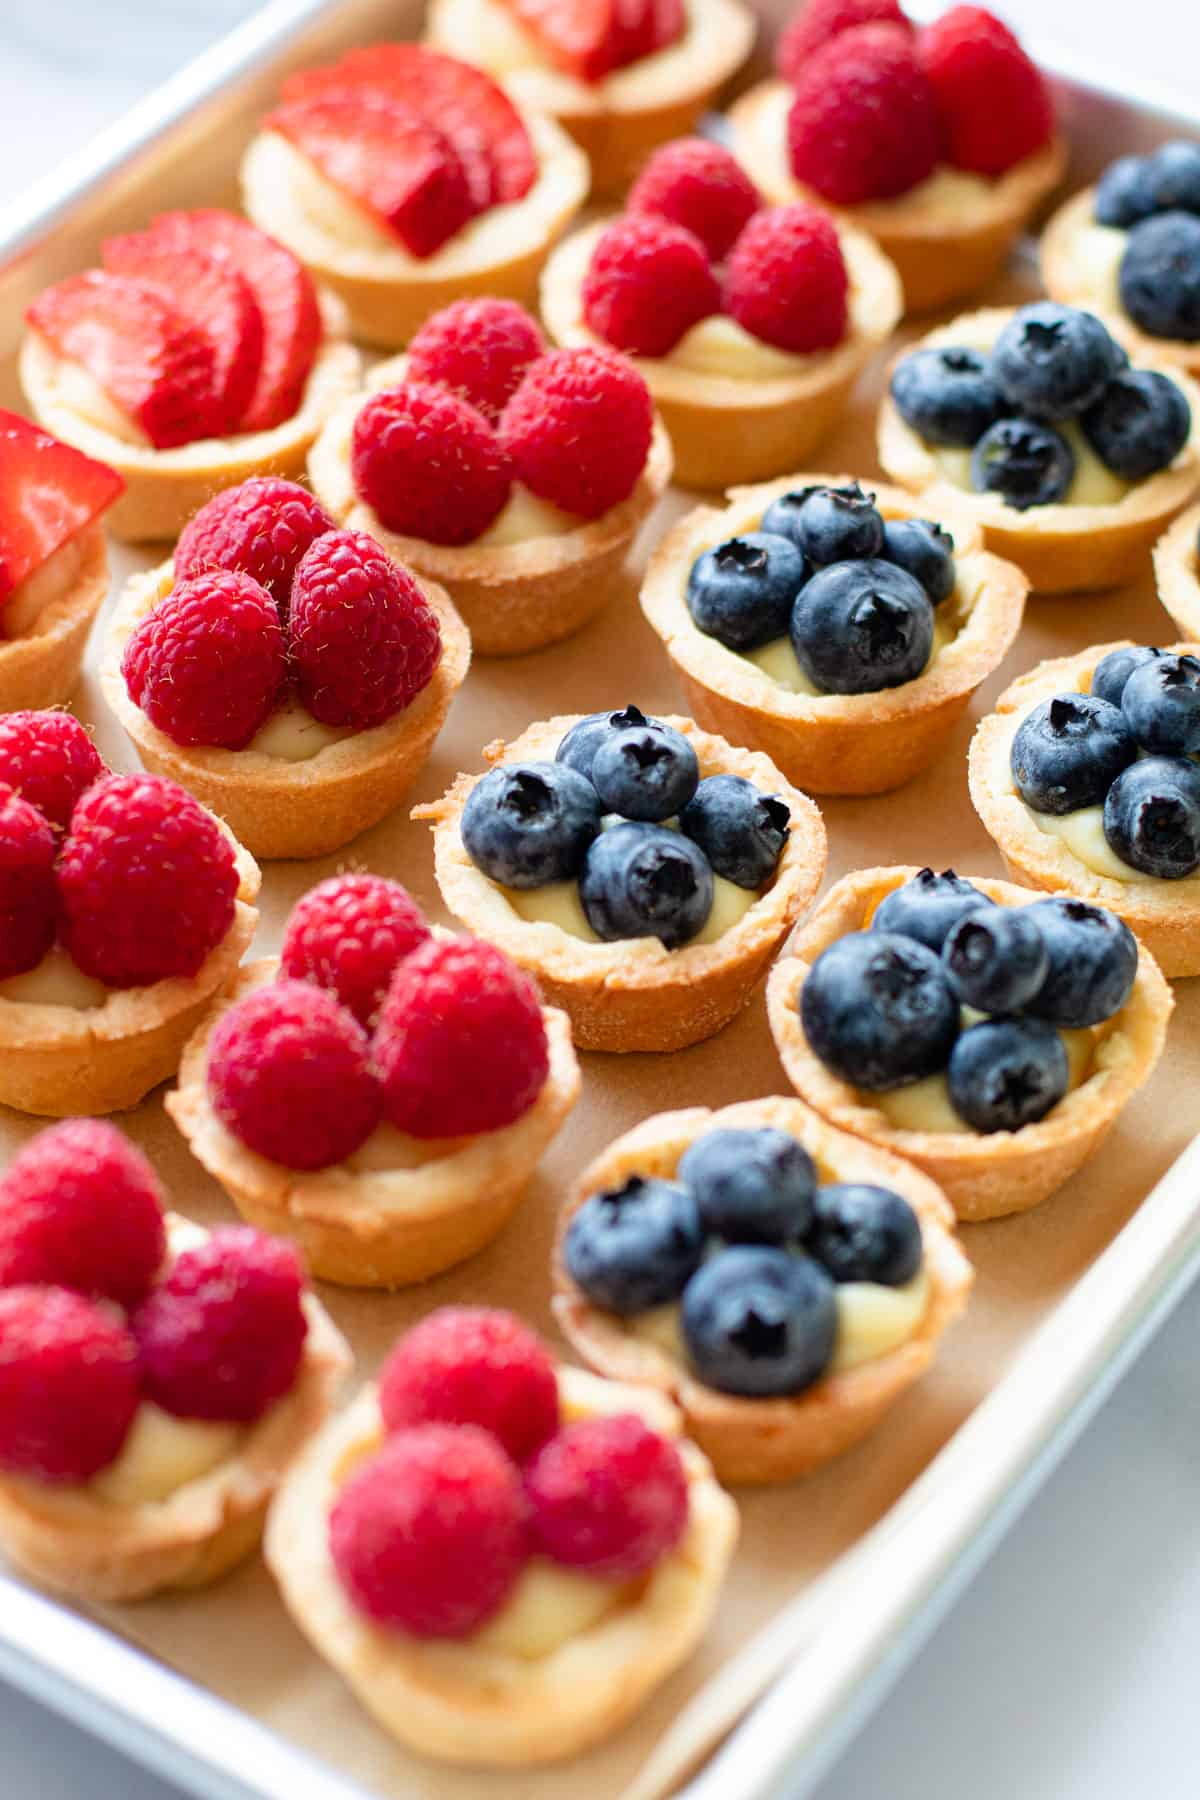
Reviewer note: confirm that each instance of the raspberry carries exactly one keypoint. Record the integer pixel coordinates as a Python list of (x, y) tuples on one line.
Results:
[(81, 1208), (479, 348), (473, 1365), (261, 528), (28, 895), (222, 1336), (786, 282), (579, 429), (428, 1536), (428, 464), (364, 639), (49, 759), (289, 1075), (608, 1496), (862, 125), (147, 879), (993, 106), (207, 665), (699, 185), (68, 1385), (820, 20), (647, 284), (347, 935)]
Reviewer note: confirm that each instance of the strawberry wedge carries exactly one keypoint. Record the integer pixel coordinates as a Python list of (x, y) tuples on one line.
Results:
[(591, 38), (48, 493)]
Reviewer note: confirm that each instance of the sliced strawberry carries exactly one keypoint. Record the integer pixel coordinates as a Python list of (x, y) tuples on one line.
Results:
[(591, 38), (48, 492)]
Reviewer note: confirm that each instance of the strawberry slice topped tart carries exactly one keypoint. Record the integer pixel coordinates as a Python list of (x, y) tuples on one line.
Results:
[(199, 354), (403, 179)]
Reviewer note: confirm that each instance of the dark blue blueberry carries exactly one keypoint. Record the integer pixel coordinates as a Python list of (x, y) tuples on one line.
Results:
[(645, 881), (928, 907), (525, 824), (741, 592), (578, 748), (1113, 671), (1068, 751), (783, 515), (1160, 276), (859, 627), (1161, 705), (1093, 963), (865, 1233), (1123, 194), (1152, 817), (878, 1010), (648, 772), (635, 1247), (1052, 361), (947, 396), (741, 830), (1172, 177), (759, 1322), (996, 959), (752, 1187), (1026, 463), (923, 550), (839, 525), (1007, 1073), (1139, 424)]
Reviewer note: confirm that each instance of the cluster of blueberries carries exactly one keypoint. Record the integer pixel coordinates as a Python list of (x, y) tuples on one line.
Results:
[(597, 814), (883, 1008), (1156, 199), (854, 592), (1128, 746), (751, 1248), (1051, 364)]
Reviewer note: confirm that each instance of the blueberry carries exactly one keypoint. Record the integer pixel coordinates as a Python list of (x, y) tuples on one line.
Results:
[(839, 525), (928, 907), (759, 1321), (1026, 463), (1068, 751), (878, 1010), (1007, 1073), (1152, 817), (1160, 276), (996, 959), (1113, 671), (947, 396), (636, 1246), (741, 592), (741, 830), (859, 627), (1139, 424), (865, 1233), (645, 881), (923, 550), (525, 824), (1052, 361), (752, 1187), (646, 772), (1161, 705), (1123, 194), (1093, 962), (578, 748), (1172, 177), (783, 515)]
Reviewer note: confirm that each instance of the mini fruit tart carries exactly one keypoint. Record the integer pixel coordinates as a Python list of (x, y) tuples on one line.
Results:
[(379, 1093), (125, 907), (987, 1035), (643, 870), (840, 633), (1177, 570), (198, 355), (749, 324), (300, 711), (516, 478), (156, 1379), (781, 1281), (1071, 460), (502, 1558), (404, 179), (940, 143)]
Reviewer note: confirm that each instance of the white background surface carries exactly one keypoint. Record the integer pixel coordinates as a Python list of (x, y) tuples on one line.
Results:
[(1069, 1671)]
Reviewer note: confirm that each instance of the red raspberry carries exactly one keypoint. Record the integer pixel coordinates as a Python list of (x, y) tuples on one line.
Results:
[(28, 894), (696, 183), (347, 935), (81, 1208), (49, 759), (461, 1044), (222, 1336), (579, 429), (147, 880), (364, 639), (647, 284), (607, 1495), (473, 1365), (480, 348), (207, 665), (993, 105), (862, 124), (289, 1074), (68, 1385), (819, 20), (428, 464), (428, 1536), (786, 282), (261, 528)]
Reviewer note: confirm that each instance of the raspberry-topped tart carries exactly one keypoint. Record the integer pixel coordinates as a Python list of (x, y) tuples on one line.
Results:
[(643, 870), (940, 141), (404, 179), (199, 354), (156, 1379), (502, 1557), (1071, 459), (783, 1282), (987, 1035), (380, 1092), (515, 476), (292, 676), (749, 323), (838, 631)]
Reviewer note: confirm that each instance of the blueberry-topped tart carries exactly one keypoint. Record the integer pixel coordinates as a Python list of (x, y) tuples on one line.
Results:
[(643, 870), (986, 1033), (1177, 571), (840, 631), (782, 1281), (1071, 457)]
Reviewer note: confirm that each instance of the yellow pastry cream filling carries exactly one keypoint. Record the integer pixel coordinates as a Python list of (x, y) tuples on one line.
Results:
[(27, 602), (162, 1454), (55, 981)]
